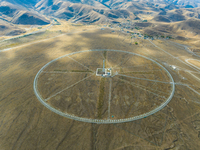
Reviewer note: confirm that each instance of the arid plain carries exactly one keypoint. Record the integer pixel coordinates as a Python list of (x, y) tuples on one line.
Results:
[(27, 124)]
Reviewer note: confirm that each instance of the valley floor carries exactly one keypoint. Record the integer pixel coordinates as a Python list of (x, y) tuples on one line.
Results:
[(27, 124)]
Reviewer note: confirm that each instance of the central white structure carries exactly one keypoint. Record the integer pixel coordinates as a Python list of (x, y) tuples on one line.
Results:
[(104, 72)]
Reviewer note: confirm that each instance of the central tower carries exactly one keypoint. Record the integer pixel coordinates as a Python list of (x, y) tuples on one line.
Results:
[(104, 72)]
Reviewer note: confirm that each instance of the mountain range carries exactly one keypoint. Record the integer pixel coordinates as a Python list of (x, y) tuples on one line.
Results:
[(91, 11), (39, 12)]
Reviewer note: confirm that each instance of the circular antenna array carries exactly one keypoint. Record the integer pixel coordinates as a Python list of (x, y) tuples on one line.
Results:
[(104, 86)]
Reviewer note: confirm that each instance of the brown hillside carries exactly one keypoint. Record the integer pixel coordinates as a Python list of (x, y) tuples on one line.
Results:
[(28, 18), (20, 15), (78, 12), (9, 29), (160, 18), (176, 17), (190, 25)]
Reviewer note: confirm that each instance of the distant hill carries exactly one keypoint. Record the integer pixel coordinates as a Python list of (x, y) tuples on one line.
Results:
[(160, 18), (188, 3), (190, 26), (171, 17), (20, 15), (175, 14), (96, 11), (28, 18), (80, 12), (9, 30), (178, 15), (24, 3)]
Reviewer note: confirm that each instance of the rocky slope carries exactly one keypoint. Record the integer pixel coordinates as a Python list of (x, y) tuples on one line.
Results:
[(96, 11), (9, 30), (13, 13)]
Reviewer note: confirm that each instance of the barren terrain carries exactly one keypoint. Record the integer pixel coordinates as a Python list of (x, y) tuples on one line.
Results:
[(27, 124)]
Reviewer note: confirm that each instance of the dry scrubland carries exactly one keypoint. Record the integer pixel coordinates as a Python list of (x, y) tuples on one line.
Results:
[(89, 98), (27, 124), (26, 28), (195, 62)]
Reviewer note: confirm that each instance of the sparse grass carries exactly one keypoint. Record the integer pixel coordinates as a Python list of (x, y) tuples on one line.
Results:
[(105, 54), (137, 28), (9, 45), (77, 25), (101, 98), (81, 71), (58, 23), (137, 72), (61, 70), (42, 55), (28, 38), (73, 70)]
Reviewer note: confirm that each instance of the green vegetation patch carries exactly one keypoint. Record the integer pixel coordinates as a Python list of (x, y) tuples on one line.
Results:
[(81, 71), (137, 72), (58, 23), (73, 70), (3, 46), (101, 98), (137, 28), (105, 55), (61, 70)]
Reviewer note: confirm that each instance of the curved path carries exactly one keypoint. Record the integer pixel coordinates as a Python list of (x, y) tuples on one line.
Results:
[(193, 64), (174, 56), (107, 121), (186, 48)]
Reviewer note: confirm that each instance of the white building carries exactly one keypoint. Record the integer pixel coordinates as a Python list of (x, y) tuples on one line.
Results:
[(104, 72)]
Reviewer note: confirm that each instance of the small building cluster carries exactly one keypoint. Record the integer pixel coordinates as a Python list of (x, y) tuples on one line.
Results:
[(104, 72)]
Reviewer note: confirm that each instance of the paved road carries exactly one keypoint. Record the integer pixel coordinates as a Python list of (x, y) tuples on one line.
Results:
[(186, 48), (173, 56), (191, 63)]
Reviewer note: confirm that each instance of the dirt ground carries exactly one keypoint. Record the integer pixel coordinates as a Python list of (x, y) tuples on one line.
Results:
[(129, 97), (27, 124), (195, 62)]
